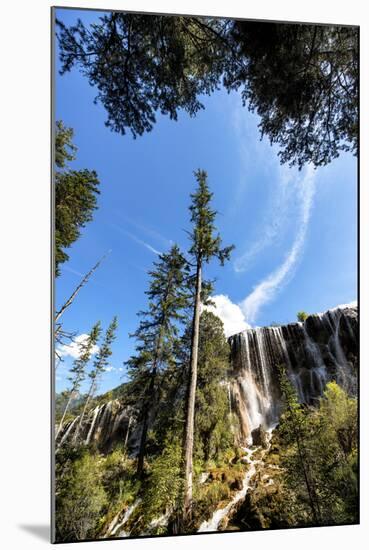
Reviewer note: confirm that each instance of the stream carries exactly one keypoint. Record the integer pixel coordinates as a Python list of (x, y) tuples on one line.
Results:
[(213, 523)]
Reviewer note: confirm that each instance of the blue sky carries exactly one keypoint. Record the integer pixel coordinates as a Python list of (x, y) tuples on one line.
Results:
[(295, 232)]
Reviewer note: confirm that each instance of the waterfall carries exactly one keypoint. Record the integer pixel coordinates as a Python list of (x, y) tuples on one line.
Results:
[(256, 355), (115, 528), (321, 349), (67, 432), (313, 353), (90, 432), (105, 425), (334, 320)]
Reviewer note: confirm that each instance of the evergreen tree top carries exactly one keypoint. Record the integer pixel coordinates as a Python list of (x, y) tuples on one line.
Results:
[(168, 296), (78, 371), (204, 242), (101, 359)]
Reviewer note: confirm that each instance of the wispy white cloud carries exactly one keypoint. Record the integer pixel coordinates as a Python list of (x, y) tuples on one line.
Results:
[(252, 151), (279, 183), (274, 223), (81, 275), (70, 270), (73, 349), (288, 202), (231, 314), (153, 233), (136, 239), (265, 291)]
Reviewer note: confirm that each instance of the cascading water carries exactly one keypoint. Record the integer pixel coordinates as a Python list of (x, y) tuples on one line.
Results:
[(91, 430), (116, 526), (214, 522), (321, 349), (254, 388), (312, 353), (67, 431), (103, 425)]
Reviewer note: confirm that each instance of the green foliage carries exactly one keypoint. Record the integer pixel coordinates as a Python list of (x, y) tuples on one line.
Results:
[(320, 443), (218, 490), (64, 148), (336, 453), (214, 493), (102, 356), (313, 449), (204, 243), (295, 430), (157, 335), (302, 80), (142, 64), (80, 498), (78, 371), (165, 482), (212, 424), (75, 195), (319, 456), (118, 480), (302, 316)]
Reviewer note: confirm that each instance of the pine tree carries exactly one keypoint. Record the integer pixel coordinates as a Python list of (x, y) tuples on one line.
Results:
[(75, 195), (78, 371), (302, 80), (212, 424), (294, 428), (158, 331), (99, 366), (205, 245)]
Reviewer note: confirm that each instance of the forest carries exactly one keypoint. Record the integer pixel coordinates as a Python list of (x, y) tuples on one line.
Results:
[(207, 433)]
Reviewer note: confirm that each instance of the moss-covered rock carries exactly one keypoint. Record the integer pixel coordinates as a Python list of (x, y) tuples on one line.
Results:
[(259, 437)]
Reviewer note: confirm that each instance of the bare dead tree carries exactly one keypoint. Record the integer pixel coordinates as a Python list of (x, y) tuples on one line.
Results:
[(71, 298)]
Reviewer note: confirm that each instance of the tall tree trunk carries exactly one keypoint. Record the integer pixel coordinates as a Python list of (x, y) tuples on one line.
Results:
[(147, 404), (191, 396), (308, 483), (145, 423), (313, 498)]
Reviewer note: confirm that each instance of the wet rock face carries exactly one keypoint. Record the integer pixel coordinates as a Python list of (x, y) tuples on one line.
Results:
[(323, 348), (259, 437), (105, 426)]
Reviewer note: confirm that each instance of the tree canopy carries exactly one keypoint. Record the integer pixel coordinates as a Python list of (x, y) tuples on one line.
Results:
[(75, 195), (301, 79), (142, 64)]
